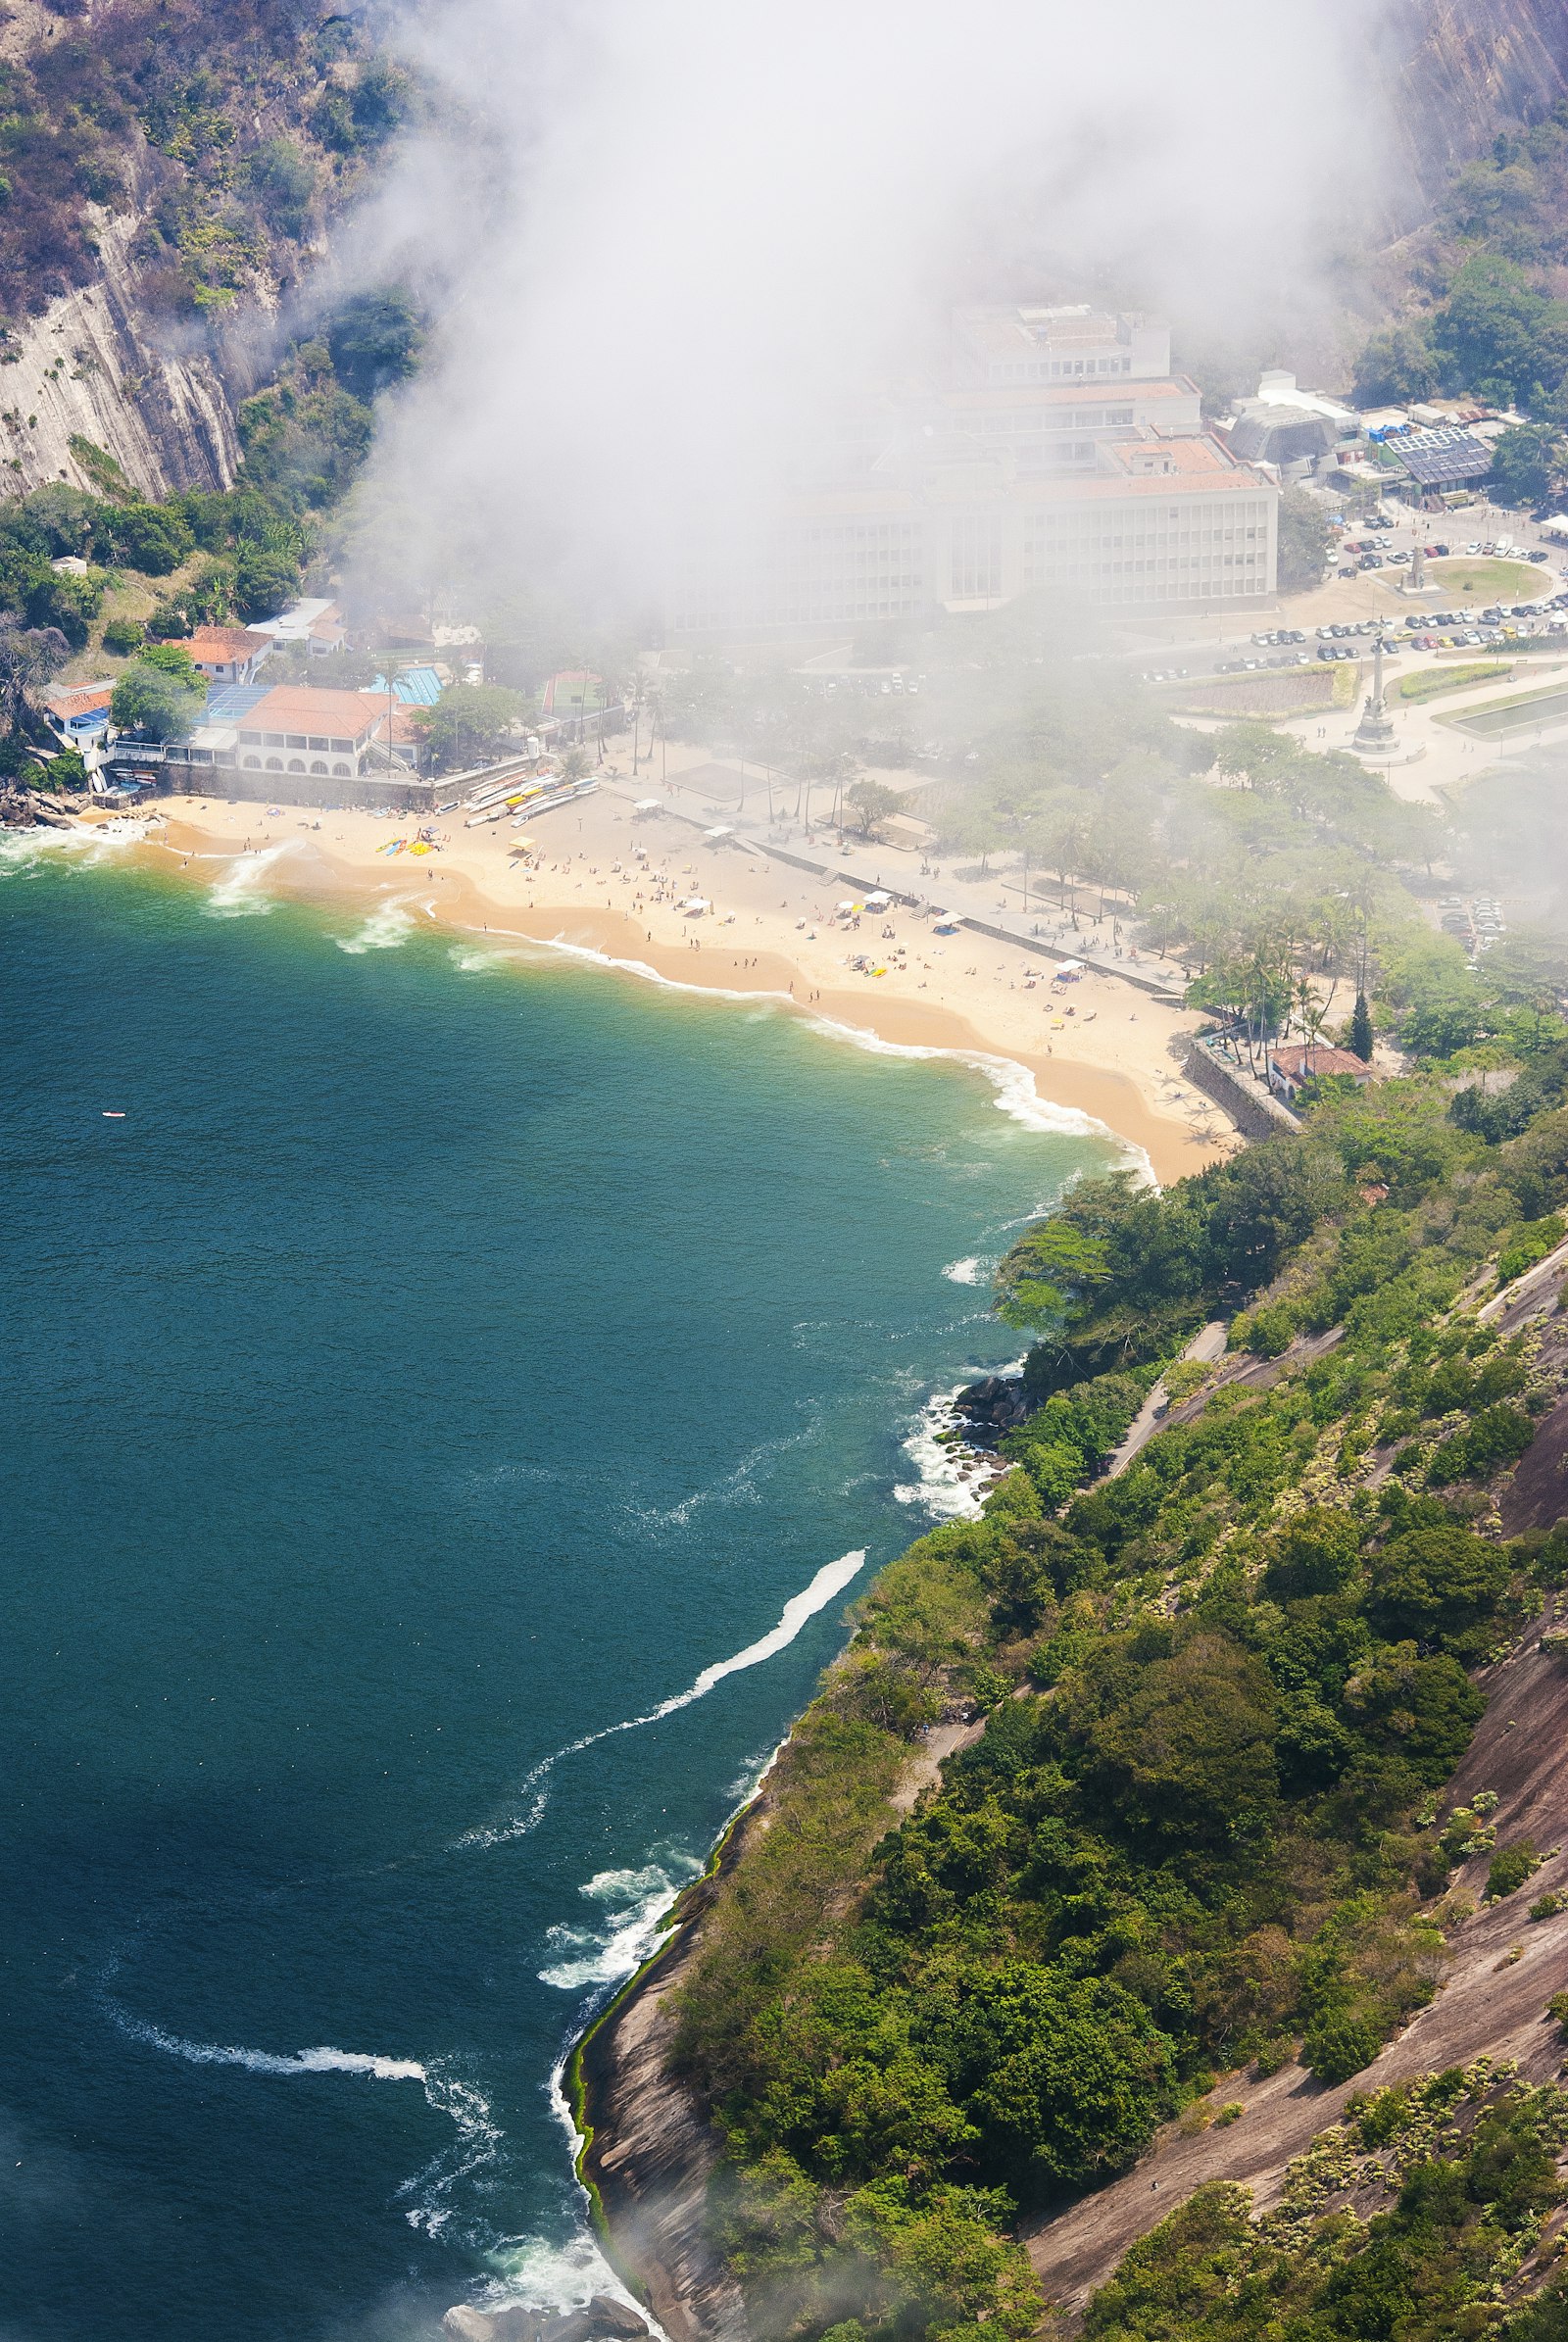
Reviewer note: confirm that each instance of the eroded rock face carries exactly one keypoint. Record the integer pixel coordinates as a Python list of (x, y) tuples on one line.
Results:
[(94, 368), (1456, 74)]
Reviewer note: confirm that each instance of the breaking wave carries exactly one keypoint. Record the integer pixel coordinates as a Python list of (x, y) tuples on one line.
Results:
[(635, 1903), (963, 1272), (238, 894), (830, 1579), (941, 1484), (388, 925), (556, 2276), (1014, 1085), (428, 2198), (264, 2061), (23, 851)]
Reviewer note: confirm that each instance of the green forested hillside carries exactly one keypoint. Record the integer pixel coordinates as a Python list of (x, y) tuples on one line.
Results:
[(1484, 310), (1204, 1825)]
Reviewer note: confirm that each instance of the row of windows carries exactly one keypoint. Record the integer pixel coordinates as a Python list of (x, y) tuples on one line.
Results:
[(341, 748), (976, 557), (1059, 369), (1174, 590), (341, 772), (1029, 426), (1088, 533), (793, 614), (1186, 561), (832, 580)]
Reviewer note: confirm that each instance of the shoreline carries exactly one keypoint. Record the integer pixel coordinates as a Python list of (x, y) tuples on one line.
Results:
[(1107, 1063), (645, 2150)]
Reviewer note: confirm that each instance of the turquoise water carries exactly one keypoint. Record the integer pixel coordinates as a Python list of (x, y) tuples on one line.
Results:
[(444, 1361)]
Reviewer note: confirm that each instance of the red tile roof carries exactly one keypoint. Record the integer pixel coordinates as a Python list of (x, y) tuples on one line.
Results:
[(66, 699), (225, 646), (297, 708), (1300, 1063)]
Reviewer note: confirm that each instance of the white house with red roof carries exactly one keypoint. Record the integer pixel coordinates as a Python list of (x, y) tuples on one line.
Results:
[(229, 653)]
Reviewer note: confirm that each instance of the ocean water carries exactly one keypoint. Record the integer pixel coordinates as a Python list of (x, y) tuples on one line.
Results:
[(446, 1415)]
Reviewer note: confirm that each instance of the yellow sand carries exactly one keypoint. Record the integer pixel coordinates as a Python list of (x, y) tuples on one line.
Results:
[(1110, 1058)]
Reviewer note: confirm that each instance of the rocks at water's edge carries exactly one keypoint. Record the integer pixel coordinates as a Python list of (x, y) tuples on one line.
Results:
[(602, 2321), (991, 1406)]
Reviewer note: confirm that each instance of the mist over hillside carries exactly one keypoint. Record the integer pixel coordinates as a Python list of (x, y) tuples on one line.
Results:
[(202, 179)]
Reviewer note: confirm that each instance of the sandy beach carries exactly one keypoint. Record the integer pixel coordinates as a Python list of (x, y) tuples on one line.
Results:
[(1098, 1047)]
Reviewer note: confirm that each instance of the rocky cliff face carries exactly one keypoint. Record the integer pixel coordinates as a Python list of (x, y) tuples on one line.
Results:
[(1457, 72), (95, 373), (170, 171)]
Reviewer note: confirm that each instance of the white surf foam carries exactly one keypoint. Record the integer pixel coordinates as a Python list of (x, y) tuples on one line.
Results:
[(940, 1486), (740, 1484), (965, 1271), (428, 2197), (830, 1579), (388, 925), (653, 975), (547, 2274), (1014, 1085), (24, 850), (559, 2277), (237, 894), (636, 1902), (263, 2060), (1016, 1094)]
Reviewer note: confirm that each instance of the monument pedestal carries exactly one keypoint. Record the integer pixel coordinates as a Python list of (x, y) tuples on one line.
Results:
[(1375, 732)]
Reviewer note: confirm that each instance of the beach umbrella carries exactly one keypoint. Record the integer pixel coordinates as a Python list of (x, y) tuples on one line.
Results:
[(878, 902), (696, 903)]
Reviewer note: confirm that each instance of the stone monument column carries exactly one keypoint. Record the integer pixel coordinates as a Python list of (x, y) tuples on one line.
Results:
[(1375, 734)]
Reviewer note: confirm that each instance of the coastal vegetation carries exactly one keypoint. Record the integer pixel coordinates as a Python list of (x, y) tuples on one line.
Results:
[(1482, 309), (1204, 1824), (1469, 2159)]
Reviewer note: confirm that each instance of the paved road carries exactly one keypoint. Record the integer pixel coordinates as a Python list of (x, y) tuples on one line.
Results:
[(1207, 1343)]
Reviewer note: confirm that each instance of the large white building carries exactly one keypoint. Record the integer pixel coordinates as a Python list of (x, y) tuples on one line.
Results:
[(1060, 455)]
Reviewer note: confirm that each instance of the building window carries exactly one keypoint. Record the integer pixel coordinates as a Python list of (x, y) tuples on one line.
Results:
[(274, 764), (976, 556)]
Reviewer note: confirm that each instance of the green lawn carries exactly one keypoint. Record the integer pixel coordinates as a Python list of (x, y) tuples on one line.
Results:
[(1490, 581), (1432, 680)]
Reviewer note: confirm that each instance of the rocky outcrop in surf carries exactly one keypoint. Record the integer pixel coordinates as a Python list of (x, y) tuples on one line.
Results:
[(604, 2320)]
